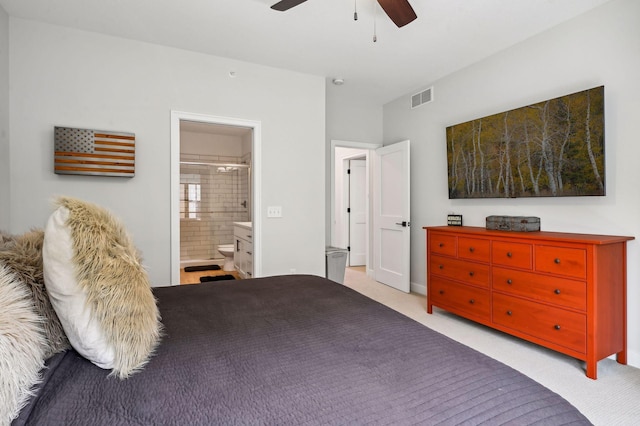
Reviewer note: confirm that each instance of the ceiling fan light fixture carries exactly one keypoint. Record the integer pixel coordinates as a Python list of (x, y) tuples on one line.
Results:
[(399, 11)]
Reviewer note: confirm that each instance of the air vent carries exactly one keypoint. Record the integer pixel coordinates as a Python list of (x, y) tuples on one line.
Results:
[(422, 98)]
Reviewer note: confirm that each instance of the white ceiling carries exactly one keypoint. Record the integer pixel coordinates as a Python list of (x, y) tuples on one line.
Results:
[(320, 36)]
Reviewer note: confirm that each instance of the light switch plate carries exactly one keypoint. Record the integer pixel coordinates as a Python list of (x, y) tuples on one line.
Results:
[(274, 211)]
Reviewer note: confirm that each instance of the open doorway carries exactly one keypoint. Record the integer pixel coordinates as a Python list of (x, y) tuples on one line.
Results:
[(192, 166), (215, 195), (355, 183), (387, 208), (342, 221)]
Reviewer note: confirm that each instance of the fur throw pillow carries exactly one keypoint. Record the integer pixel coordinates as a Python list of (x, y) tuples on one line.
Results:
[(5, 239), (22, 346), (99, 288), (22, 255)]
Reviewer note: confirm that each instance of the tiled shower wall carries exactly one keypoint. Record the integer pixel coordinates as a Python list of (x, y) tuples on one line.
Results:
[(210, 221)]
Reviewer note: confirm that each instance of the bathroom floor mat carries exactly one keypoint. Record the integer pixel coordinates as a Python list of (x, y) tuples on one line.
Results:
[(217, 278), (202, 268)]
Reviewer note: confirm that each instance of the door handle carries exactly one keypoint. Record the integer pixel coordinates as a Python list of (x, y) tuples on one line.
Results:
[(404, 223)]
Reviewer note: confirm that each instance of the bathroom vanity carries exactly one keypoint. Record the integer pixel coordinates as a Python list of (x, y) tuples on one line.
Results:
[(243, 256)]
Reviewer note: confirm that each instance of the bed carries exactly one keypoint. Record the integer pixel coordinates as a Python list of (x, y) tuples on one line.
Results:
[(86, 340), (293, 350)]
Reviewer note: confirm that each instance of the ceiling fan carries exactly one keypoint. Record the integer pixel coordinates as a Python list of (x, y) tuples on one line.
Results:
[(400, 11)]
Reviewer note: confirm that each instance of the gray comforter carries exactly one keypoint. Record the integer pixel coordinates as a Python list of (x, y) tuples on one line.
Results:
[(294, 350)]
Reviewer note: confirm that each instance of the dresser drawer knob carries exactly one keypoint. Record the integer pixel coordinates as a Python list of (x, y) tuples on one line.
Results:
[(557, 261), (509, 313), (441, 266), (509, 281), (557, 327), (472, 301), (471, 273), (509, 254), (556, 291), (471, 249), (441, 292), (441, 245)]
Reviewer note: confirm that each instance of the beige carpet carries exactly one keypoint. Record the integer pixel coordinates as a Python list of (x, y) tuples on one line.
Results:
[(613, 399)]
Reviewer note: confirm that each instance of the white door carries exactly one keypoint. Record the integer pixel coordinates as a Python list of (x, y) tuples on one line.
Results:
[(391, 221), (357, 212)]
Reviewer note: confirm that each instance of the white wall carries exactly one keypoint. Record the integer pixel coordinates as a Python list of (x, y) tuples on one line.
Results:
[(601, 47), (4, 120), (67, 77), (348, 119)]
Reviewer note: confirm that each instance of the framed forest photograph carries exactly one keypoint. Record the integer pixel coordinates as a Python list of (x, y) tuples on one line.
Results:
[(553, 148)]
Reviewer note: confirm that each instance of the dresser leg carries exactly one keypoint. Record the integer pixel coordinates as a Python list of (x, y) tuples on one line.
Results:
[(592, 370), (429, 308), (621, 357)]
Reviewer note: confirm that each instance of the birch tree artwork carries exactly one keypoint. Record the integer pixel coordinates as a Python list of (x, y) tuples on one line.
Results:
[(553, 148)]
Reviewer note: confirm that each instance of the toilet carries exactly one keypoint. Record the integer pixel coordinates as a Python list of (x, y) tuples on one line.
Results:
[(227, 251)]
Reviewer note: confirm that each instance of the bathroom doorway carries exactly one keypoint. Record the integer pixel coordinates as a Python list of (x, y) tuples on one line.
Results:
[(215, 193), (213, 188)]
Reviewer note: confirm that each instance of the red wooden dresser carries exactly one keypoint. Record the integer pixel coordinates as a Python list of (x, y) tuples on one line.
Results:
[(564, 291)]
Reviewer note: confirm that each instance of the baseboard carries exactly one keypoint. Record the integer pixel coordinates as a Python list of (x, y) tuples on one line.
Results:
[(633, 358), (419, 288)]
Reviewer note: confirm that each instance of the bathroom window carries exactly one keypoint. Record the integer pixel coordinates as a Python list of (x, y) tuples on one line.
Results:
[(190, 200)]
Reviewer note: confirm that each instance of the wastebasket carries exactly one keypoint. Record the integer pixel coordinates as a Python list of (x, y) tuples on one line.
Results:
[(336, 262)]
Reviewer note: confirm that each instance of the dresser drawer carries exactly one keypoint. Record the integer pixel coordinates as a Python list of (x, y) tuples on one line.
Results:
[(570, 262), (474, 249), (460, 299), (461, 270), (559, 291), (555, 325), (516, 255), (443, 244)]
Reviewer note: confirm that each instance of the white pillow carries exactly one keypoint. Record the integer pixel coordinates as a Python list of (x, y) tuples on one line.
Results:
[(98, 287), (68, 298)]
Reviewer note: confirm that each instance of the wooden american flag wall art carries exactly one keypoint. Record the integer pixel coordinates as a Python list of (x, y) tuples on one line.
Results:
[(94, 152)]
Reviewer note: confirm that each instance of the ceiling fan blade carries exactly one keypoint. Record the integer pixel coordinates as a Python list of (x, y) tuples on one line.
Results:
[(400, 11), (283, 5)]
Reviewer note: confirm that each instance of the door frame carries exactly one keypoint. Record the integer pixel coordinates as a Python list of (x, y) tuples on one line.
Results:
[(369, 147), (256, 187)]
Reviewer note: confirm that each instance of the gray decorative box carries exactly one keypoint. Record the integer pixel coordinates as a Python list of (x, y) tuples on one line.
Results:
[(513, 223)]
